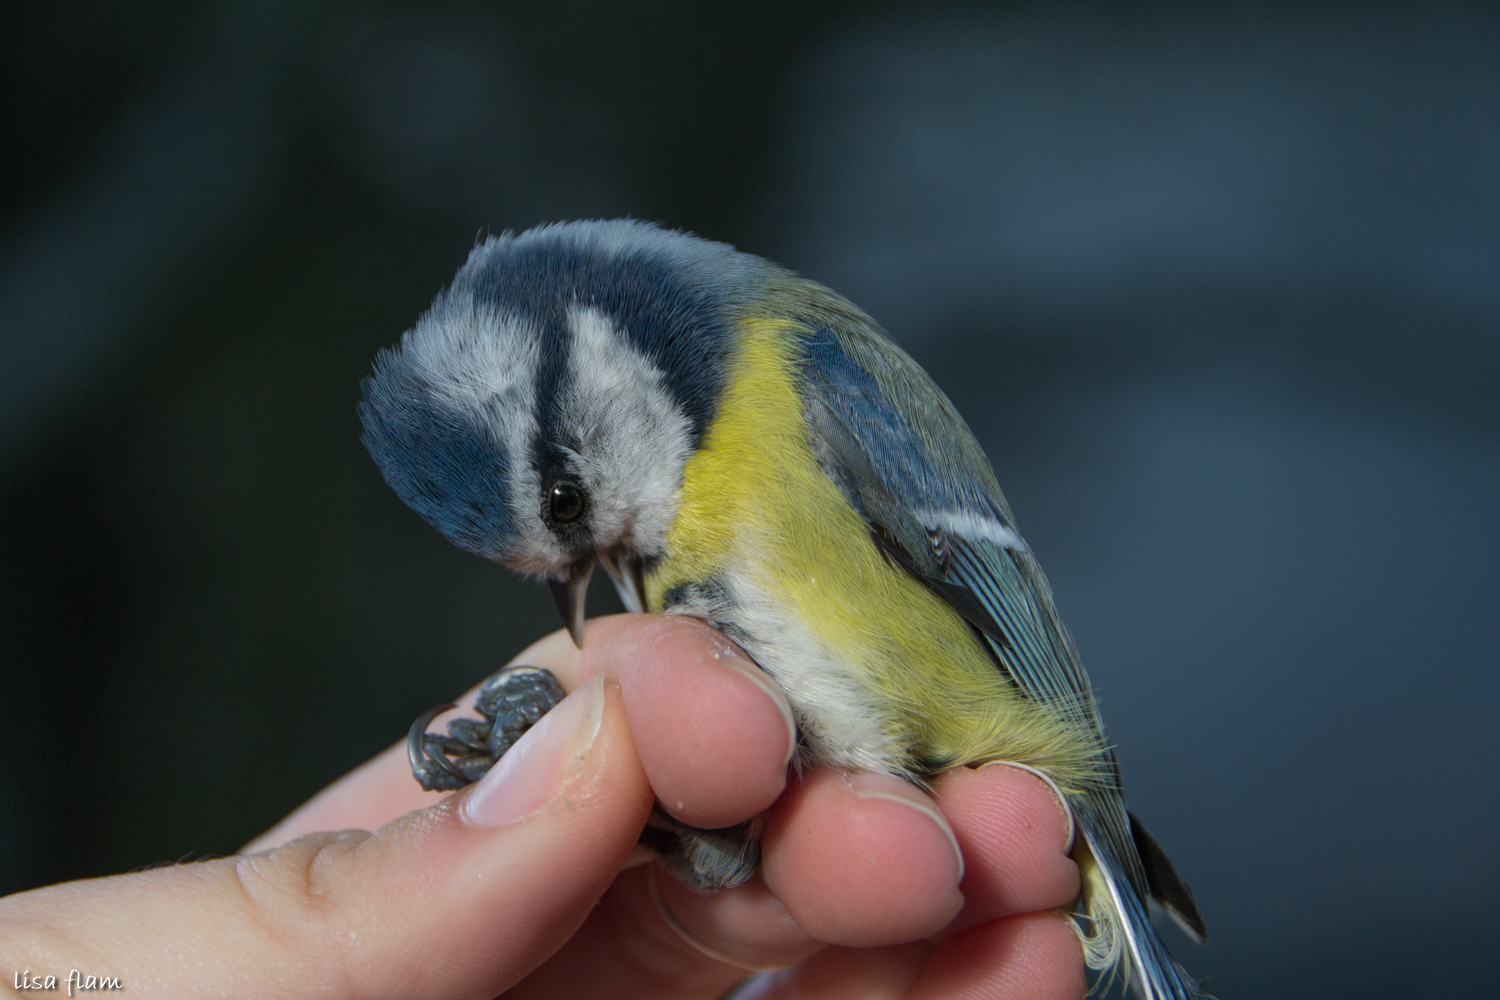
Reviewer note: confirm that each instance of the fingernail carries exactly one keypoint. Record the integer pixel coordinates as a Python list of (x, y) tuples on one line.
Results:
[(541, 763), (1057, 795), (868, 785), (727, 655)]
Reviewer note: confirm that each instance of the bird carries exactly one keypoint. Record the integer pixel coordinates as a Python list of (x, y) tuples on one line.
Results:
[(733, 442)]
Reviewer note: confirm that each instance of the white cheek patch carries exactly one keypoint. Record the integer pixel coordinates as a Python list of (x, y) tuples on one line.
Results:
[(482, 365), (632, 438)]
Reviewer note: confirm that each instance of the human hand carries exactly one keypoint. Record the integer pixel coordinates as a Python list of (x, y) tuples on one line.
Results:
[(529, 880)]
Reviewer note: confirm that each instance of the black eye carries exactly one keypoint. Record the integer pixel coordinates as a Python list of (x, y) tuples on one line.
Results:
[(566, 501)]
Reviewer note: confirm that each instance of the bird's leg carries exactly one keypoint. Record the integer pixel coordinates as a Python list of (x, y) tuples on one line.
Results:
[(510, 702), (706, 860)]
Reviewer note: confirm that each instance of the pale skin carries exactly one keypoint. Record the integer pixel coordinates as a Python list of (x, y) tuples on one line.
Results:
[(530, 881)]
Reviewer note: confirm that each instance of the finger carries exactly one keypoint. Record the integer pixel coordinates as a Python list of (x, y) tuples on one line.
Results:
[(715, 738), (1034, 956), (461, 899), (1015, 837), (684, 685), (382, 788), (862, 860), (1015, 834), (713, 732)]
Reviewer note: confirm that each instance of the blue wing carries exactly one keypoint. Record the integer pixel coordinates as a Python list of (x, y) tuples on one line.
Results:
[(903, 456)]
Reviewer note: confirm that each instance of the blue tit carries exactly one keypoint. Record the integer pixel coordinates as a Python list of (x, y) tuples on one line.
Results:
[(733, 442)]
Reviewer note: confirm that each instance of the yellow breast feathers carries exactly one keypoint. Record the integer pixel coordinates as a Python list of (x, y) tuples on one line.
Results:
[(758, 515)]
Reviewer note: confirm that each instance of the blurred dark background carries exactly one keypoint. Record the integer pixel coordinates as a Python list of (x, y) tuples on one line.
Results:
[(1218, 287)]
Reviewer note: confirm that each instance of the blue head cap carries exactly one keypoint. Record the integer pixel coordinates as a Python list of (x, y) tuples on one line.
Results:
[(587, 354)]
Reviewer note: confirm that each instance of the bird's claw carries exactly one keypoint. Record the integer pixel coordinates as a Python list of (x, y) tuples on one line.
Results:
[(511, 701)]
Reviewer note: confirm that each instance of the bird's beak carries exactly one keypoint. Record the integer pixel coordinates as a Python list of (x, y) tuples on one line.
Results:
[(569, 593), (628, 574)]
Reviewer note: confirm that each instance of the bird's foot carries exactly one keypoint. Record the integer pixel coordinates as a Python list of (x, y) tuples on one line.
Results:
[(510, 701)]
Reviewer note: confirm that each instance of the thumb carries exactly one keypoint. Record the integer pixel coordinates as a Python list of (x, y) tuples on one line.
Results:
[(461, 899)]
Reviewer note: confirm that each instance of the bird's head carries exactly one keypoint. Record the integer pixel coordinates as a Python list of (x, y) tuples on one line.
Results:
[(541, 411)]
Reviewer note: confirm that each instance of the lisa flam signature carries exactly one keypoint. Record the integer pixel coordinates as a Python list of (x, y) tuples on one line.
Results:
[(74, 980)]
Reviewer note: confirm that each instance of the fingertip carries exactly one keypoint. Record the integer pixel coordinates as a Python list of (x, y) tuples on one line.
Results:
[(510, 860), (1014, 835), (859, 863), (1064, 810), (712, 731), (542, 764), (870, 787)]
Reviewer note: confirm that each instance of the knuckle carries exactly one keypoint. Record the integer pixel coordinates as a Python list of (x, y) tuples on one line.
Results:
[(298, 893), (299, 896)]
